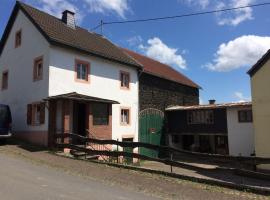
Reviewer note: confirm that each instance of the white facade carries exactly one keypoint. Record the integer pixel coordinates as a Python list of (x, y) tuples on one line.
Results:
[(240, 135), (19, 62), (104, 83), (58, 78)]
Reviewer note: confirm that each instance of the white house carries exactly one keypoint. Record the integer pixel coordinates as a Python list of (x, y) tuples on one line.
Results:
[(213, 128), (58, 77)]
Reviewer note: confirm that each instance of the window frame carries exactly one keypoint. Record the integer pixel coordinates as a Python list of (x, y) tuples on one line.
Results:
[(37, 61), (201, 118), (18, 33), (108, 114), (4, 86), (33, 111), (120, 79), (88, 67), (129, 116), (245, 120)]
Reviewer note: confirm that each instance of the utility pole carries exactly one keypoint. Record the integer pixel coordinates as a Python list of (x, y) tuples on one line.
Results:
[(101, 27)]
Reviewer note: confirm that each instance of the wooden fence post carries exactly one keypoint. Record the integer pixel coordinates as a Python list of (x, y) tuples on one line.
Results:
[(171, 160), (117, 151)]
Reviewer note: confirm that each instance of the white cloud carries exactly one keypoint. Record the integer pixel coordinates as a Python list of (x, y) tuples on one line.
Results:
[(236, 17), (232, 18), (240, 52), (56, 7), (120, 7), (201, 100), (202, 3), (158, 50), (240, 97), (134, 40)]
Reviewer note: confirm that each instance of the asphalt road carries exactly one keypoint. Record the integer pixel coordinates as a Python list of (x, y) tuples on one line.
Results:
[(23, 180)]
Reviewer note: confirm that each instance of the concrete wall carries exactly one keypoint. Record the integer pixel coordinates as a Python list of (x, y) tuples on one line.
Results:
[(104, 83), (240, 135), (260, 83), (22, 90)]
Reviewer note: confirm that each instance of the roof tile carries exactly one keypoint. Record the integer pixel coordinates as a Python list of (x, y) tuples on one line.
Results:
[(79, 38), (156, 68)]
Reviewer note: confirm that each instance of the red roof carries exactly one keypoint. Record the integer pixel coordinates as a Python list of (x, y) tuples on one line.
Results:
[(161, 70)]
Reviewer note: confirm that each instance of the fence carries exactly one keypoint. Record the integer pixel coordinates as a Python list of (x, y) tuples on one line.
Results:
[(169, 151)]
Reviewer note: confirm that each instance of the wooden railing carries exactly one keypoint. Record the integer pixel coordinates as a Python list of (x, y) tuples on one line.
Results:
[(169, 150)]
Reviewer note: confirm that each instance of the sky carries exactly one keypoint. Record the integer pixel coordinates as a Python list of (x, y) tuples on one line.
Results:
[(214, 50)]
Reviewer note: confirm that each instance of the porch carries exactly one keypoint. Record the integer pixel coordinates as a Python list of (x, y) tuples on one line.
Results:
[(200, 142), (79, 114)]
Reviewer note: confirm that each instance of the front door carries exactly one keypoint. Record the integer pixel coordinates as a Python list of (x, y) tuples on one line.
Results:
[(80, 119)]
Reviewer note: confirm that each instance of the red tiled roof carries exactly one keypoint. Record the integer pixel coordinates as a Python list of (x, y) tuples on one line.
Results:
[(58, 33), (161, 70)]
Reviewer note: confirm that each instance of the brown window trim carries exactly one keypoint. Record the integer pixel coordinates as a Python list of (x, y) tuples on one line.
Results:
[(78, 61), (2, 86), (246, 110), (42, 111), (16, 35), (129, 116), (36, 62), (126, 73)]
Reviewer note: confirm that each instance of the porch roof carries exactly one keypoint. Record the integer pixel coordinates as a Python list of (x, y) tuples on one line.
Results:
[(81, 97)]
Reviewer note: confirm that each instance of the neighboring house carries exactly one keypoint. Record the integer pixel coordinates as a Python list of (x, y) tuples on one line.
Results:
[(213, 128), (58, 77), (161, 86), (260, 82)]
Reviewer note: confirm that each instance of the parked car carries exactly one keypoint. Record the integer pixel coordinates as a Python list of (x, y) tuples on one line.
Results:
[(5, 122)]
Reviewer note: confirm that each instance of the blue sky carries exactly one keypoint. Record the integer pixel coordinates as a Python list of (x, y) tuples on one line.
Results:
[(214, 50)]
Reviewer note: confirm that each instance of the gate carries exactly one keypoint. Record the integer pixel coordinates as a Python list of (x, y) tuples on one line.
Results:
[(151, 123)]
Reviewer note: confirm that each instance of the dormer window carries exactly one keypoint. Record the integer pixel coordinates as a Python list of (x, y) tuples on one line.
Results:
[(82, 71), (18, 39), (125, 80), (38, 69)]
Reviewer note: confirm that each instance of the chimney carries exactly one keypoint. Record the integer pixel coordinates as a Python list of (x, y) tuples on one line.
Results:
[(68, 18), (212, 101)]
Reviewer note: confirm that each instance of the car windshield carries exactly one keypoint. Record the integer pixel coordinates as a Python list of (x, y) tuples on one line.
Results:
[(5, 116)]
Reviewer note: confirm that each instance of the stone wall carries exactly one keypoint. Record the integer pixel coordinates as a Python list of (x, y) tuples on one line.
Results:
[(155, 92)]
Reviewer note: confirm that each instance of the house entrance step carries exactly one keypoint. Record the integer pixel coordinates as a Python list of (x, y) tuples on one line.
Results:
[(79, 154)]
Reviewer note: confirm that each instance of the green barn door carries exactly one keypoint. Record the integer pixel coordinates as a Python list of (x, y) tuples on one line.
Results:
[(151, 126)]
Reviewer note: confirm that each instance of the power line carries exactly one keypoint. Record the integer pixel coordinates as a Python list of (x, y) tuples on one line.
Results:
[(181, 16)]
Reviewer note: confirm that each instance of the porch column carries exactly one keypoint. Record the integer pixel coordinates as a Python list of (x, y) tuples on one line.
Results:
[(66, 111), (52, 123)]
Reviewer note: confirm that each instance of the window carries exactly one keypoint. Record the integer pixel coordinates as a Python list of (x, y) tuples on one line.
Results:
[(82, 71), (125, 116), (18, 38), (36, 113), (125, 80), (5, 80), (38, 69), (200, 117), (100, 114), (245, 116)]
